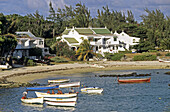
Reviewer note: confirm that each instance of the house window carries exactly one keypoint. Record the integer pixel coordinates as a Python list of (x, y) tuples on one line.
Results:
[(45, 50), (40, 42), (133, 40), (115, 38)]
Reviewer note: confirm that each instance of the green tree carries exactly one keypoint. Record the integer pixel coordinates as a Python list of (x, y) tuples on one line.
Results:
[(3, 24), (85, 51), (82, 16), (61, 48), (155, 23), (52, 17), (8, 43)]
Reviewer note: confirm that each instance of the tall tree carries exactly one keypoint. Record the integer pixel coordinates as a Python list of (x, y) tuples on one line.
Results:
[(85, 51), (130, 17), (3, 24), (154, 21), (82, 16), (7, 45), (52, 17)]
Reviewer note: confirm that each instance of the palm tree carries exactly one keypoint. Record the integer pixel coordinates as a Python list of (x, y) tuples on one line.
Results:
[(85, 50)]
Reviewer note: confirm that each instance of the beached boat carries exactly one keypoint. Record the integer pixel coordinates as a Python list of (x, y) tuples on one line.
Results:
[(61, 99), (69, 104), (38, 100), (137, 80), (164, 60), (58, 81), (67, 85), (92, 90), (56, 95), (97, 66), (42, 88)]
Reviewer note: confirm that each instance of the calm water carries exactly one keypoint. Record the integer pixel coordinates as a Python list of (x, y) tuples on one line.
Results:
[(143, 97)]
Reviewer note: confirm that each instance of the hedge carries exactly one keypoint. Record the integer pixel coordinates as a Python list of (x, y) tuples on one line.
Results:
[(145, 57)]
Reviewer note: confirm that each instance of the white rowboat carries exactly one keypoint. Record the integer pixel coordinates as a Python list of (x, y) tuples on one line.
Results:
[(58, 81), (95, 90), (38, 100), (65, 95), (59, 99), (69, 104), (66, 85)]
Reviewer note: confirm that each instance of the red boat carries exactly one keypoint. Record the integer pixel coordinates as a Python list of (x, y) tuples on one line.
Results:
[(134, 80)]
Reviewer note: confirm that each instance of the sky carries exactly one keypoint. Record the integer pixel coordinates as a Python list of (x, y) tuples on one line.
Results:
[(24, 7)]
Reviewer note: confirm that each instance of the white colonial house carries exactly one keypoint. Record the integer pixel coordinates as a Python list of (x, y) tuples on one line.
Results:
[(26, 41), (101, 39), (127, 40)]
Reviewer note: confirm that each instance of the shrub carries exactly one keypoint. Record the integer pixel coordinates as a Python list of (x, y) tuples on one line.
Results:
[(144, 57), (152, 50), (125, 51), (98, 55), (58, 60), (168, 54), (31, 63), (117, 56), (158, 54), (108, 55)]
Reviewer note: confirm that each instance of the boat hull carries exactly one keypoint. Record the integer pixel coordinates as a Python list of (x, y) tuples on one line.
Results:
[(38, 100), (42, 88), (67, 104), (66, 85), (63, 99), (134, 80), (59, 81), (92, 90), (65, 95)]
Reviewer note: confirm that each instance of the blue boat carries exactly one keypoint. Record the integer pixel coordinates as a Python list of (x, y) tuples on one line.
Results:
[(42, 88)]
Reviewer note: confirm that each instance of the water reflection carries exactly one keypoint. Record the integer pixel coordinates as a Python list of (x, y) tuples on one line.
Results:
[(33, 105), (67, 109)]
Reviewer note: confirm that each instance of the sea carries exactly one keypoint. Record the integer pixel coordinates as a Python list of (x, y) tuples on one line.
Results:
[(137, 97)]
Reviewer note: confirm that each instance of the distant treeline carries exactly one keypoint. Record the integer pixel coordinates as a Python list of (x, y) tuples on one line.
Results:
[(154, 30)]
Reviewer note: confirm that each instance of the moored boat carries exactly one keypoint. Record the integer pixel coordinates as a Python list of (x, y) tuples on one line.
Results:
[(137, 80), (42, 88), (69, 104), (67, 85), (92, 90), (38, 100), (61, 99), (72, 84), (58, 81), (56, 95)]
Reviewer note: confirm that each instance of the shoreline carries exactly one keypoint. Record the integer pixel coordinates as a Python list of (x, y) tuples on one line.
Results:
[(28, 74)]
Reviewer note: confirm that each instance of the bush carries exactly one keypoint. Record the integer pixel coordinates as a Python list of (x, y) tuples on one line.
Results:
[(145, 57), (98, 55), (158, 54), (168, 54), (108, 55), (152, 50), (58, 60), (125, 51), (31, 63), (117, 56)]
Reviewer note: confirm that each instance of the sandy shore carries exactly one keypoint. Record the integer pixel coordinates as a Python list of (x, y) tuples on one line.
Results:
[(27, 74)]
